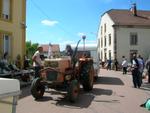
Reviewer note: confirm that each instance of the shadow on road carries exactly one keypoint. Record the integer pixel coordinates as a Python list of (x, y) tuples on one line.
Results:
[(25, 92), (97, 91), (44, 99), (84, 100), (108, 101), (109, 81)]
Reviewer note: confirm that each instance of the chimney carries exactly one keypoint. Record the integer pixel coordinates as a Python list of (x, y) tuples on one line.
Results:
[(133, 9)]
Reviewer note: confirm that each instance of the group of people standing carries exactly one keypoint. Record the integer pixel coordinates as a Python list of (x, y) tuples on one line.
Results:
[(137, 67)]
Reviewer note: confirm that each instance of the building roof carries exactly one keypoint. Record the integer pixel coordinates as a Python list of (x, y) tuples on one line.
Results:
[(54, 47), (126, 17)]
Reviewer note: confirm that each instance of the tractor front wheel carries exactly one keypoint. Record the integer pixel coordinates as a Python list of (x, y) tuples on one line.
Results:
[(37, 89), (73, 91)]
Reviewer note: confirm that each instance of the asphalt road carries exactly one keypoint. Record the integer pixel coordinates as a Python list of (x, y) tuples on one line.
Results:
[(112, 93)]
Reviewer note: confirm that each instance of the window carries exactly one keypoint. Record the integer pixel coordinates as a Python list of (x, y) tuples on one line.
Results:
[(105, 41), (5, 9), (109, 39), (105, 56), (109, 53), (133, 39), (0, 8), (98, 42), (6, 43), (101, 41), (101, 54), (105, 27)]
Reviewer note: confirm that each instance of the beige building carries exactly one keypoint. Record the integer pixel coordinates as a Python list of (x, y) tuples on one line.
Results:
[(12, 28), (124, 32)]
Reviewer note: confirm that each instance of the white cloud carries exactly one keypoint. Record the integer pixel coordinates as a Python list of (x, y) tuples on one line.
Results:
[(49, 22)]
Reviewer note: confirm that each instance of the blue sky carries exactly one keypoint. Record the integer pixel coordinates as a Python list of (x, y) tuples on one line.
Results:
[(65, 21)]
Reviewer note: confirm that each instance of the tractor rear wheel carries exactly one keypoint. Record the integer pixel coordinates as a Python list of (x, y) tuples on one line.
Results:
[(87, 77)]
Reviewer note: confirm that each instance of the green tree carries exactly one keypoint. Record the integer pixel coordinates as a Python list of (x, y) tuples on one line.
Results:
[(31, 48)]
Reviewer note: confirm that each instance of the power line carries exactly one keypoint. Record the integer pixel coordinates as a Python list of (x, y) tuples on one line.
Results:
[(42, 11), (39, 9)]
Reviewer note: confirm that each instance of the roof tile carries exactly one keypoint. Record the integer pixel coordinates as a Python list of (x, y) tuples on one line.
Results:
[(126, 17)]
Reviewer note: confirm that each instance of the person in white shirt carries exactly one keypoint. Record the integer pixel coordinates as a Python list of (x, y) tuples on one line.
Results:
[(37, 61), (124, 65)]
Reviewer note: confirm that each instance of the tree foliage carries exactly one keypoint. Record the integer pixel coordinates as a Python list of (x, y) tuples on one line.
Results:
[(31, 48)]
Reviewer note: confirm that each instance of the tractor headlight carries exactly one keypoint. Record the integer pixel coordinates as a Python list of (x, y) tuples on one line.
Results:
[(67, 77)]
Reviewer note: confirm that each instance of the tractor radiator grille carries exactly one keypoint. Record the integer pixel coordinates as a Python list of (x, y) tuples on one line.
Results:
[(52, 75)]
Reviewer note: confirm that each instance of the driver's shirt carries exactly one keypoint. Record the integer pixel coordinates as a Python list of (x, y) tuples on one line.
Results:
[(38, 59)]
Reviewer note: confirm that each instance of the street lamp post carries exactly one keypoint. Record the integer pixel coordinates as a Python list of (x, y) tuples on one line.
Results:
[(84, 37)]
